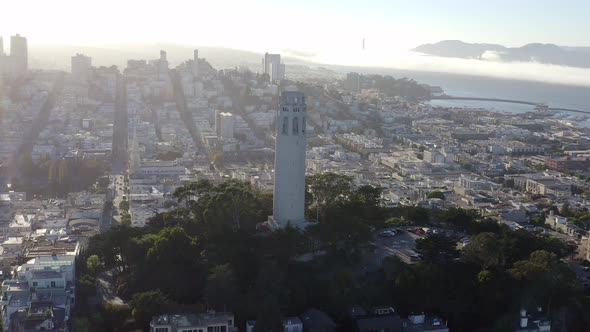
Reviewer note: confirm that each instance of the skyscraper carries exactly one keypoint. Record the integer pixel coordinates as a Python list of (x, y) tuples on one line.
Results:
[(162, 65), (19, 53), (289, 186), (81, 66), (195, 63), (224, 124), (353, 82), (1, 46), (271, 64)]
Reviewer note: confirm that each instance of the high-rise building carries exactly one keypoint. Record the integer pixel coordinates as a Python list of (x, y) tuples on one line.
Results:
[(353, 82), (195, 64), (1, 46), (162, 65), (20, 54), (225, 123), (271, 64), (289, 185), (81, 66)]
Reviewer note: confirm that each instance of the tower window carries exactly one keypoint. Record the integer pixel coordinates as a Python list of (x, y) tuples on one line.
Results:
[(284, 109), (303, 124), (295, 126), (285, 125)]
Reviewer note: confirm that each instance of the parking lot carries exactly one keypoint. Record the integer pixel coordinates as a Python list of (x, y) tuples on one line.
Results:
[(401, 244)]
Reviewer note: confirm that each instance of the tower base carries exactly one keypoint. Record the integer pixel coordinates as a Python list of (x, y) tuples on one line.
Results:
[(272, 224)]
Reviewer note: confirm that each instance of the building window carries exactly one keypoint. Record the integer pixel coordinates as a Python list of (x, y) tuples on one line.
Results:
[(161, 329), (35, 284), (52, 284), (285, 125), (296, 109), (284, 109), (295, 126)]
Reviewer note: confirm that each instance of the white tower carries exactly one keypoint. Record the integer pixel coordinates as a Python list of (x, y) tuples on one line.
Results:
[(289, 187)]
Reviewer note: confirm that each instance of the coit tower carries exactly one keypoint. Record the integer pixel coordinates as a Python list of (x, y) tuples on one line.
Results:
[(289, 185)]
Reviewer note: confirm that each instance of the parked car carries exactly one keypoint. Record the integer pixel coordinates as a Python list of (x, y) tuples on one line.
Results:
[(386, 234)]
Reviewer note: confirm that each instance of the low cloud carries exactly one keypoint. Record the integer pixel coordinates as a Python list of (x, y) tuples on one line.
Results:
[(491, 56), (299, 53), (492, 67)]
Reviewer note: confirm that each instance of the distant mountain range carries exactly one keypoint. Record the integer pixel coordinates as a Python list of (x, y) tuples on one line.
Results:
[(535, 52)]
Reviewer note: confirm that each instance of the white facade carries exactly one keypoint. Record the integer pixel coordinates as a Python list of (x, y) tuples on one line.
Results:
[(226, 127), (81, 65), (289, 186), (19, 51), (15, 64), (271, 64)]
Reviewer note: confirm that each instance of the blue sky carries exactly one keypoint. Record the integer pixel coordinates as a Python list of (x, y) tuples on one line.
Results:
[(303, 24)]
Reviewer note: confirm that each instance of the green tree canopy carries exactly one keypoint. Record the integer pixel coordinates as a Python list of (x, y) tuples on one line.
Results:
[(436, 194), (437, 248)]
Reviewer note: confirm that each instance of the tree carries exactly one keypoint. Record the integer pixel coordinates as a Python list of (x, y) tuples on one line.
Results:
[(365, 202), (124, 205), (509, 183), (237, 198), (81, 324), (193, 191), (217, 158), (147, 304), (126, 219), (437, 248), (327, 190), (397, 222), (268, 317), (459, 219), (565, 210), (93, 264), (436, 194), (53, 172), (63, 172), (484, 250), (547, 281), (221, 291)]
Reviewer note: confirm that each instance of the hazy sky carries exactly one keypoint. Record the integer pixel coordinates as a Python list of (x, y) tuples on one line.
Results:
[(328, 31), (312, 25)]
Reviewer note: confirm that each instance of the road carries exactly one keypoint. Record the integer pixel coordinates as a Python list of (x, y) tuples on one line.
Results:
[(180, 100), (120, 136), (118, 191), (39, 123), (107, 214)]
